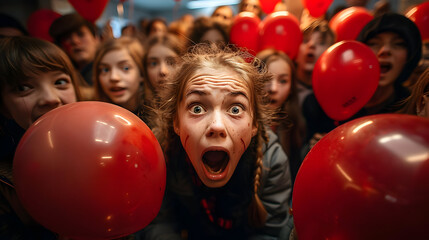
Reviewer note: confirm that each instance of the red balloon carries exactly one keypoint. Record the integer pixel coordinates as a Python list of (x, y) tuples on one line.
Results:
[(366, 179), (91, 10), (90, 170), (244, 31), (348, 23), (420, 16), (344, 78), (317, 8), (268, 5), (40, 21), (280, 30)]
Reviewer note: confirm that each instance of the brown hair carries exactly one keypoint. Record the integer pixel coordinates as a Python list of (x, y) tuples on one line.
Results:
[(170, 41), (204, 24), (419, 89), (321, 26), (26, 57), (134, 49), (216, 57)]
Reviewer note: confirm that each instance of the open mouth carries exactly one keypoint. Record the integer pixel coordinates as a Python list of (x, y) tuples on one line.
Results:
[(310, 57), (116, 89), (215, 161), (385, 67)]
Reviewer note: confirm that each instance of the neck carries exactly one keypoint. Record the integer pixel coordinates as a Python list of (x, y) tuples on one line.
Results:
[(380, 98), (305, 77)]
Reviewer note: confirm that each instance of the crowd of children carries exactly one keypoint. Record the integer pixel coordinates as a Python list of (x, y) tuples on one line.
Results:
[(234, 132)]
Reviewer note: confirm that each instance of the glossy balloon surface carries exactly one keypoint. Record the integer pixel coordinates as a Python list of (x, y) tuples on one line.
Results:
[(366, 179), (317, 8), (244, 31), (40, 21), (348, 23), (344, 78), (420, 16), (90, 170), (280, 30), (91, 10)]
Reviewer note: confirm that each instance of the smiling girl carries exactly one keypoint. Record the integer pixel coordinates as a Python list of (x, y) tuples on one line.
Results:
[(225, 180), (35, 78)]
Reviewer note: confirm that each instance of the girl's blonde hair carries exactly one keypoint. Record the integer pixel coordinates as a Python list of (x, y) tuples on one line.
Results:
[(253, 74), (136, 52), (26, 57)]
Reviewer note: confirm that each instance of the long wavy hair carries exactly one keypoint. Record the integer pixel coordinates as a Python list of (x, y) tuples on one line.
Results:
[(217, 57)]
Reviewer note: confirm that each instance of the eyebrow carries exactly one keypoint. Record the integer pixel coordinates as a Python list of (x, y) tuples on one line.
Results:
[(238, 93), (201, 93)]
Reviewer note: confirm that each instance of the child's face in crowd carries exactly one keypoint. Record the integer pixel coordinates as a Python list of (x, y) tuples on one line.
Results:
[(223, 15), (120, 78), (312, 46), (161, 62), (37, 96), (215, 123), (391, 51), (158, 28), (279, 87), (251, 6), (80, 46)]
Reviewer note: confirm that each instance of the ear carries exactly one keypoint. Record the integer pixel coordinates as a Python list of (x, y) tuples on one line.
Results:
[(254, 130), (176, 126)]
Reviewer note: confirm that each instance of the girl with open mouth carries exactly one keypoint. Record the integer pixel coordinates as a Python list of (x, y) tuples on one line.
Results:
[(224, 179), (118, 73)]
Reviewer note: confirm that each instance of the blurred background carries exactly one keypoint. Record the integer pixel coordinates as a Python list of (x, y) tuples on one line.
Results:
[(122, 12)]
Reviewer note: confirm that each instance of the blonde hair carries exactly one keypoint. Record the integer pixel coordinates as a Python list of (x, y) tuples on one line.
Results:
[(134, 49), (253, 74)]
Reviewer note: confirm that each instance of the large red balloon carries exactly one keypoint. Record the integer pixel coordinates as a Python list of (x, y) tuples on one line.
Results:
[(280, 30), (420, 16), (90, 170), (317, 8), (348, 23), (40, 21), (91, 10), (268, 5), (244, 31), (366, 179), (344, 78)]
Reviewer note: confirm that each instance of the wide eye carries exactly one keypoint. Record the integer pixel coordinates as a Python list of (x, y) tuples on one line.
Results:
[(236, 110), (23, 88), (197, 109), (104, 70), (126, 68), (61, 81), (153, 63)]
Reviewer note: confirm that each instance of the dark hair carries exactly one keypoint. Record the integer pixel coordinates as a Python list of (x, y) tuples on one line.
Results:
[(152, 22), (321, 26), (7, 21), (406, 29), (202, 25), (69, 23), (24, 57)]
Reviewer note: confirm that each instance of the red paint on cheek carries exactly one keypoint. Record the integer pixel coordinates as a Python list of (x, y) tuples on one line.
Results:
[(244, 145), (67, 46)]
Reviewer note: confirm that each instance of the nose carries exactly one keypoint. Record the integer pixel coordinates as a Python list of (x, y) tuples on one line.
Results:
[(49, 98), (73, 39), (384, 50), (163, 69), (272, 88), (114, 75), (217, 126)]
